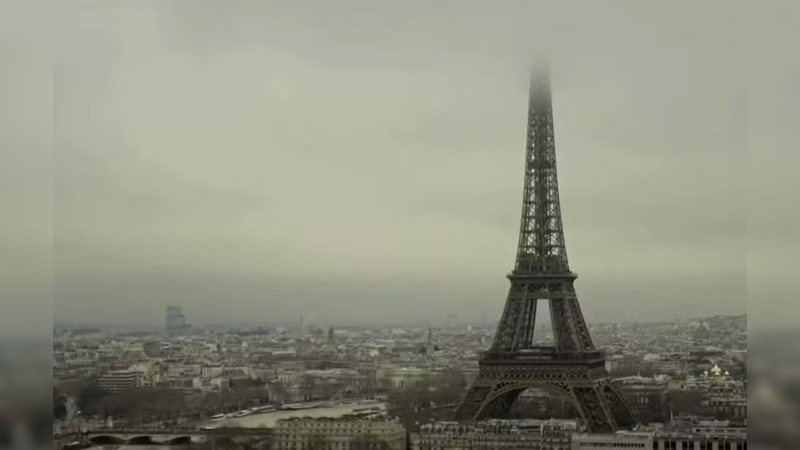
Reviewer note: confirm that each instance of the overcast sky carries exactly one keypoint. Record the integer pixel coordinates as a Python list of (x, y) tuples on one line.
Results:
[(356, 162)]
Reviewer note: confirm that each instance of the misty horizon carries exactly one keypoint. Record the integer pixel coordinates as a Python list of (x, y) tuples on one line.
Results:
[(359, 325)]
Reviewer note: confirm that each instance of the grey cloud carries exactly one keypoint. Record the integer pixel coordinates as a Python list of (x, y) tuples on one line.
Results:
[(281, 158)]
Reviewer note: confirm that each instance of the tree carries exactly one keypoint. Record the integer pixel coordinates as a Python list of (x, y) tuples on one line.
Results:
[(688, 402), (59, 408), (90, 397), (146, 402)]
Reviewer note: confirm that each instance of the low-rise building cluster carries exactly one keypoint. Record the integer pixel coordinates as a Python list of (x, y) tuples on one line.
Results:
[(664, 370)]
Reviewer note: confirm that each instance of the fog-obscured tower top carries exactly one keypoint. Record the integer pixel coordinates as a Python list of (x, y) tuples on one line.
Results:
[(541, 246)]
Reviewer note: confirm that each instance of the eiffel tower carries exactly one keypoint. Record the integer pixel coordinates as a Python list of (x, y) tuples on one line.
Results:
[(572, 367)]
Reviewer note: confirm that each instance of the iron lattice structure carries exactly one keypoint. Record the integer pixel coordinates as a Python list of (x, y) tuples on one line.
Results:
[(572, 367)]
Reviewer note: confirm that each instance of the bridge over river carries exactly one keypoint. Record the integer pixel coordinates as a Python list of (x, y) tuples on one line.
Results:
[(171, 436)]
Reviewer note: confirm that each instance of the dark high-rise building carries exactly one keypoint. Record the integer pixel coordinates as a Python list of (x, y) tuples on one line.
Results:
[(572, 366), (176, 321)]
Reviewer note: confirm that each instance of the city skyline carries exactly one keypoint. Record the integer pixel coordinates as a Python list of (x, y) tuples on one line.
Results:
[(311, 181)]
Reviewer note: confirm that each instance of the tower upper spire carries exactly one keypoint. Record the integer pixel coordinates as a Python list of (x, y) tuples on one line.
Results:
[(541, 246)]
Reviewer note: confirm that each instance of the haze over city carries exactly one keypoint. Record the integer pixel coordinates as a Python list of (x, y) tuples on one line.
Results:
[(364, 165)]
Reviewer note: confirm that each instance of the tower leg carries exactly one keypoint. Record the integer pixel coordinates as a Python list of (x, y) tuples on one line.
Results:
[(594, 409), (500, 406), (619, 408), (471, 404)]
